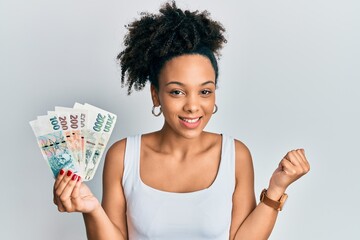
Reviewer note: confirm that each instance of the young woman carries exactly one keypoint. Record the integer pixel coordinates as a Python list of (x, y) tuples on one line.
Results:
[(179, 182)]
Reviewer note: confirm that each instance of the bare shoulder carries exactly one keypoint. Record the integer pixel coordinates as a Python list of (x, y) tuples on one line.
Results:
[(116, 151), (114, 161), (118, 148), (242, 155)]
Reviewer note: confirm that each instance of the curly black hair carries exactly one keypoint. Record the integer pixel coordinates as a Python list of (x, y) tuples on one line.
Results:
[(156, 38)]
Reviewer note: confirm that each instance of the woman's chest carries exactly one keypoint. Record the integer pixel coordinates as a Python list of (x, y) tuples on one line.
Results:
[(179, 175)]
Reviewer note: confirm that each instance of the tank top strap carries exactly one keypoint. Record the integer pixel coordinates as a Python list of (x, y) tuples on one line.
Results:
[(131, 162), (228, 154), (226, 172)]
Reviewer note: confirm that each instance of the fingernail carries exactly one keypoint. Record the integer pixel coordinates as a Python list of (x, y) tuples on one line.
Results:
[(62, 172), (79, 178), (74, 177), (69, 173)]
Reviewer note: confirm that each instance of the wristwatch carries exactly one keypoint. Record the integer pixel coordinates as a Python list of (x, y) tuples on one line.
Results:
[(277, 205)]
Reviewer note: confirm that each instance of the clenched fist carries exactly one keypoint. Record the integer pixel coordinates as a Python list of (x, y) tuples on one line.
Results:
[(293, 166)]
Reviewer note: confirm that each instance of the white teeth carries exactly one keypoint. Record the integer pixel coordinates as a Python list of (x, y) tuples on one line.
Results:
[(190, 120)]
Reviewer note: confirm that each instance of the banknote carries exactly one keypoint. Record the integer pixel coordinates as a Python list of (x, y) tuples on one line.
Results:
[(70, 123), (92, 135), (100, 124), (80, 115), (104, 124), (82, 112), (52, 143)]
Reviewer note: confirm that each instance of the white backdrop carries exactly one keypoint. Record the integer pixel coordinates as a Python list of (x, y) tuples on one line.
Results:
[(289, 78)]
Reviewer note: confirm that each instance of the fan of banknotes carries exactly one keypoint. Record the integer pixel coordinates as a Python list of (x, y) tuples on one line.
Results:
[(74, 138)]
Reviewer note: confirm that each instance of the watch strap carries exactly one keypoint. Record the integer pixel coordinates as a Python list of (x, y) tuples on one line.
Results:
[(277, 205)]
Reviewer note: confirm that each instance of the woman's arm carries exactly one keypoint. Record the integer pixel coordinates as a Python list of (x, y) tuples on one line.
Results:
[(256, 222), (102, 222)]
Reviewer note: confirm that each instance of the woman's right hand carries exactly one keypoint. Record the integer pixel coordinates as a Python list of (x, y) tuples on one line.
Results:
[(71, 195)]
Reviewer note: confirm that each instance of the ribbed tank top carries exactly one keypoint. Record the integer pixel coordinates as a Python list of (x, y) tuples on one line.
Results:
[(155, 214)]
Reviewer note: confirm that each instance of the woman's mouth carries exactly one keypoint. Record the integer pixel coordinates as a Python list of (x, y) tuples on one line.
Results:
[(190, 122)]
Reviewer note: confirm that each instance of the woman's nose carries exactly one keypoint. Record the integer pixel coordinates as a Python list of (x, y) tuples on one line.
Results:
[(191, 105)]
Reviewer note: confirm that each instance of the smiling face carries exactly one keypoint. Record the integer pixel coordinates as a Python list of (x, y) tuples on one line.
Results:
[(186, 94)]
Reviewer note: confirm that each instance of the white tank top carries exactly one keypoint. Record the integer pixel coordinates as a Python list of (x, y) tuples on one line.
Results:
[(155, 214)]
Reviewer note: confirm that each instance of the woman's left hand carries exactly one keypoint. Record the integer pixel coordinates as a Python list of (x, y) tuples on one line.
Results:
[(293, 166)]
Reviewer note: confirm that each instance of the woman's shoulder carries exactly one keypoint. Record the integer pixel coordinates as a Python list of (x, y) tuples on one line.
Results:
[(242, 152), (243, 159), (120, 145), (117, 146), (116, 151), (239, 144), (115, 155)]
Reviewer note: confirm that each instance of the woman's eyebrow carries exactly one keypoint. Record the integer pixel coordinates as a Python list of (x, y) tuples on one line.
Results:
[(182, 84), (174, 82), (208, 82)]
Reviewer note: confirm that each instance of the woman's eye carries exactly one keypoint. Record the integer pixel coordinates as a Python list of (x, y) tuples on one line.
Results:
[(176, 92), (206, 92)]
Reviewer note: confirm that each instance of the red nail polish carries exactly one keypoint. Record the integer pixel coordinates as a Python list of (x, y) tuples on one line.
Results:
[(79, 178), (62, 172), (74, 177), (69, 173)]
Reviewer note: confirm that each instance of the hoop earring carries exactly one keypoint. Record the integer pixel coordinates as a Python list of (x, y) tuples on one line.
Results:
[(215, 109), (156, 114)]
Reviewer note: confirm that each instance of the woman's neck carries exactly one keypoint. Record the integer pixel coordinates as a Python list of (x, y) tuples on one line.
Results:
[(171, 142)]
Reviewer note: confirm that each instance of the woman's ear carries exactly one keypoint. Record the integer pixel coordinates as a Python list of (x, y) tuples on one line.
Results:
[(154, 95)]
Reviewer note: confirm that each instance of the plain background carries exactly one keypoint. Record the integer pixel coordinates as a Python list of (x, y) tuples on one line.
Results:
[(289, 78)]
